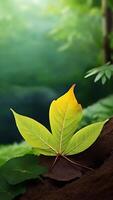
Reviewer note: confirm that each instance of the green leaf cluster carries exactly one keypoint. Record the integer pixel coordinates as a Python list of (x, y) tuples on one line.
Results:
[(101, 110), (102, 73)]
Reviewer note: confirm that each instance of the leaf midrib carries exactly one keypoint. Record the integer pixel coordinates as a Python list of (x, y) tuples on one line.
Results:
[(61, 132)]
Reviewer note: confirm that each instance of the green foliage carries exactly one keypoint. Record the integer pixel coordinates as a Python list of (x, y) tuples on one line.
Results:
[(39, 39), (15, 172), (99, 111), (74, 3), (8, 152), (65, 114), (110, 3), (102, 73), (25, 22), (75, 28), (18, 170), (80, 3), (76, 31)]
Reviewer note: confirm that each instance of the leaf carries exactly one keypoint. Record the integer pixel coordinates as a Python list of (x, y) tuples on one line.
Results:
[(84, 138), (35, 133), (91, 72), (108, 74), (99, 76), (65, 114), (9, 192), (18, 170), (103, 72), (104, 79), (99, 111), (8, 152)]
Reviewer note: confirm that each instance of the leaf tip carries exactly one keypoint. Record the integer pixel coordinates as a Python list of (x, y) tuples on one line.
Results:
[(71, 90), (72, 97), (12, 111), (73, 87)]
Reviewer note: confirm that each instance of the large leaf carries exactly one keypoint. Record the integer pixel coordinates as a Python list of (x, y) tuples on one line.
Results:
[(65, 114), (84, 138), (20, 169), (15, 172)]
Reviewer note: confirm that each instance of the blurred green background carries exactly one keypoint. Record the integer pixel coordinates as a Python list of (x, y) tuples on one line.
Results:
[(45, 47)]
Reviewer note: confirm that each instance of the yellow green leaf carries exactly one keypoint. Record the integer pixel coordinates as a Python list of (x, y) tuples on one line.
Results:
[(65, 114), (34, 133), (84, 138)]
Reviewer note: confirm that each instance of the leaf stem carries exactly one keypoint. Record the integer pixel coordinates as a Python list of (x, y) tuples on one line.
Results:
[(56, 159), (77, 164)]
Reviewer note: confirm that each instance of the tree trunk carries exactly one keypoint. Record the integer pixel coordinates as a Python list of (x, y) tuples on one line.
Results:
[(107, 29)]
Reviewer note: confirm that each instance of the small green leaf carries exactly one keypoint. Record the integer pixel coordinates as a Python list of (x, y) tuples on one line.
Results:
[(104, 79), (91, 72), (108, 74), (98, 77), (84, 138), (21, 169)]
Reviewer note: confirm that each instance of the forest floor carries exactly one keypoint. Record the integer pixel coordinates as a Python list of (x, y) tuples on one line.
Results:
[(69, 182)]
